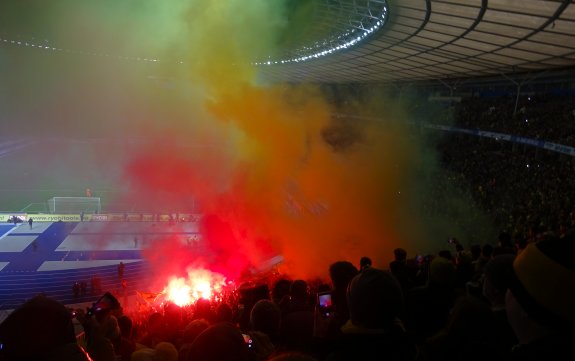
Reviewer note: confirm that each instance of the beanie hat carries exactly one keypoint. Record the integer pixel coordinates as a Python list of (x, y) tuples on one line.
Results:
[(374, 298), (544, 280)]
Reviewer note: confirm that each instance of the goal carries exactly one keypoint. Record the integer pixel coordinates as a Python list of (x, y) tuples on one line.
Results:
[(74, 205)]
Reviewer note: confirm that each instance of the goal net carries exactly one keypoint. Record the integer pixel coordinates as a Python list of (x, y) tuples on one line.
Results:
[(73, 205)]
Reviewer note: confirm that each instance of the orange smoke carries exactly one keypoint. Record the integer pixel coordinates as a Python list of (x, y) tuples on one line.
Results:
[(273, 171)]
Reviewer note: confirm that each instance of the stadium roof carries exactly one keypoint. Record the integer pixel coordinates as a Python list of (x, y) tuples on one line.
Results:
[(435, 39)]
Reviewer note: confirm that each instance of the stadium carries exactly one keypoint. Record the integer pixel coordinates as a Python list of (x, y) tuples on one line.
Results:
[(170, 162)]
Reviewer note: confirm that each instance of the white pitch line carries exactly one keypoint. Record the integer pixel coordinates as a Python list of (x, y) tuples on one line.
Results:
[(65, 265)]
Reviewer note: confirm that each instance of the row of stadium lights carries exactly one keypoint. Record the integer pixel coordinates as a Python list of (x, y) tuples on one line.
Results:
[(345, 45), (44, 47)]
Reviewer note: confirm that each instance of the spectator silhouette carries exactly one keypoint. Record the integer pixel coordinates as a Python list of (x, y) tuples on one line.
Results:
[(428, 306), (95, 285), (496, 282), (540, 300), (486, 254), (520, 243), (364, 262), (40, 329), (189, 334), (280, 289), (249, 295), (203, 310), (297, 324), (163, 351), (374, 330), (464, 268), (505, 245), (298, 298), (470, 334), (126, 344), (166, 351), (224, 313), (121, 269), (102, 334), (101, 328), (341, 273), (220, 342), (265, 317), (76, 289), (265, 320), (174, 323), (399, 269), (154, 332)]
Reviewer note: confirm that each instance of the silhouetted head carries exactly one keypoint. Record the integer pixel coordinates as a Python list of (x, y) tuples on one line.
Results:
[(374, 299), (341, 273), (40, 329), (543, 282), (220, 342), (400, 254), (364, 262)]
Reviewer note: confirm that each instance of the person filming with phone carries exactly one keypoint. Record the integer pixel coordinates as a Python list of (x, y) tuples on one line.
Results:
[(328, 320)]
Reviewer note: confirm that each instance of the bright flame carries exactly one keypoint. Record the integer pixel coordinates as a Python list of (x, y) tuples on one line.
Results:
[(201, 283), (202, 290), (179, 292)]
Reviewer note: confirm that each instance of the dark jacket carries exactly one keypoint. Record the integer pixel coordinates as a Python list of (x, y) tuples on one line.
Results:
[(363, 344)]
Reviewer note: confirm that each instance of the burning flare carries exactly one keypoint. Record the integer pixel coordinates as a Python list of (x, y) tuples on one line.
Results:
[(201, 283)]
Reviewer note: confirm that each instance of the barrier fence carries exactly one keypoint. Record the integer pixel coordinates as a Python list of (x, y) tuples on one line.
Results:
[(103, 217), (507, 137)]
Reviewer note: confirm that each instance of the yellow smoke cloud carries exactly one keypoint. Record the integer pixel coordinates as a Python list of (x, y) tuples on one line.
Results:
[(269, 158), (314, 203)]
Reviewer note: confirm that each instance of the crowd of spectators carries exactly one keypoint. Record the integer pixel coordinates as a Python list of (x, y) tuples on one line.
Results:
[(536, 115), (546, 117), (493, 301), (510, 299), (526, 190)]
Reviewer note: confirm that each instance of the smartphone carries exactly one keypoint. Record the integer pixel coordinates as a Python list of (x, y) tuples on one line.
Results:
[(324, 299), (325, 303), (247, 339), (104, 303), (323, 313)]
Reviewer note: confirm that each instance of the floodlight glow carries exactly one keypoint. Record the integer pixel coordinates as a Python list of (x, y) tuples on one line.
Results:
[(46, 47), (341, 41)]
